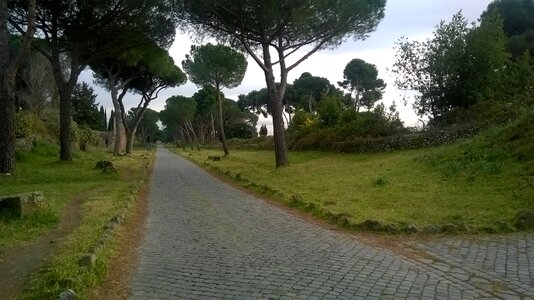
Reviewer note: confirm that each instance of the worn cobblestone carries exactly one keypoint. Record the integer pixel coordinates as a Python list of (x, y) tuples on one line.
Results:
[(205, 239), (491, 262)]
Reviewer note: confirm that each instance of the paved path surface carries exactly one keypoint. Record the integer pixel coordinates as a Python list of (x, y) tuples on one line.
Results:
[(206, 240)]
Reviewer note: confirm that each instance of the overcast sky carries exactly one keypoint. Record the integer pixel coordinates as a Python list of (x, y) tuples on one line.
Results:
[(414, 19)]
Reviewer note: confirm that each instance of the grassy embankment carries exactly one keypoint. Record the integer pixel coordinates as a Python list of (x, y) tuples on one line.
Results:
[(103, 196), (477, 185)]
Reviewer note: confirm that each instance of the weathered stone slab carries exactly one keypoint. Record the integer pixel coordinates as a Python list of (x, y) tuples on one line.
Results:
[(21, 205)]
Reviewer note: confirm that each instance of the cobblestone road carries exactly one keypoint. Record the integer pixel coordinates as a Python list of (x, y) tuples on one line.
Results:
[(207, 240)]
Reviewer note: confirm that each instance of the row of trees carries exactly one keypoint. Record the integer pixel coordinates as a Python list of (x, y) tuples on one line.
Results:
[(272, 31), (192, 119), (121, 42), (361, 84), (124, 42)]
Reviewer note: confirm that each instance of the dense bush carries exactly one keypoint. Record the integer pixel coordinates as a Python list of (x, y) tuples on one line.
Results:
[(86, 137), (333, 125), (240, 131), (28, 124)]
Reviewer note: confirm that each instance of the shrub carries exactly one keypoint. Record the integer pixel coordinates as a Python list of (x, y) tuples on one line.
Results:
[(28, 124), (263, 130), (86, 137), (329, 111)]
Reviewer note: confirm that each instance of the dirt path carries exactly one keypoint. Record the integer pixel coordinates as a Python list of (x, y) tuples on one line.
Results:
[(20, 262)]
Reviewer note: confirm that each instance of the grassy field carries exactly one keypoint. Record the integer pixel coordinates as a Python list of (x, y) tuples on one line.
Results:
[(464, 187), (103, 197)]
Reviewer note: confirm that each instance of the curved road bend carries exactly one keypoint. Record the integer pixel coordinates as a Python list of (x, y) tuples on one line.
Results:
[(207, 240)]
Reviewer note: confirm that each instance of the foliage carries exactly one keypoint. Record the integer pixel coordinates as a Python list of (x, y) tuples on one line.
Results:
[(259, 26), (206, 100), (111, 118), (177, 110), (307, 91), (329, 111), (144, 69), (334, 125), (78, 33), (221, 67), (87, 137), (458, 67), (263, 130), (148, 128), (362, 79), (256, 101), (303, 121), (177, 116), (216, 65), (519, 89), (85, 109), (517, 16), (28, 124), (241, 124)]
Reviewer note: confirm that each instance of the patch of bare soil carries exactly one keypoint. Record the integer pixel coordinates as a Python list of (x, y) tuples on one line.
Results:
[(18, 263), (124, 262)]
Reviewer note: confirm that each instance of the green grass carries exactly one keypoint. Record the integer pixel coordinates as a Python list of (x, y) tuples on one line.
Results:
[(469, 184), (105, 195)]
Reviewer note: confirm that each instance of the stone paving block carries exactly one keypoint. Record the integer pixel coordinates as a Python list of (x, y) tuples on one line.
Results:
[(205, 239)]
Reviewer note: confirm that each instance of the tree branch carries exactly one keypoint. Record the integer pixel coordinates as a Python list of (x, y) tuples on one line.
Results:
[(26, 42), (315, 49)]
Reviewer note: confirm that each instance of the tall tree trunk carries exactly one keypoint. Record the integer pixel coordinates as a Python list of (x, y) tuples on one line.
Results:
[(7, 131), (357, 101), (65, 124), (276, 96), (130, 136), (212, 134), (190, 127), (7, 101), (222, 136), (188, 135), (65, 87), (8, 71), (182, 138), (120, 133), (201, 132), (280, 150), (132, 129)]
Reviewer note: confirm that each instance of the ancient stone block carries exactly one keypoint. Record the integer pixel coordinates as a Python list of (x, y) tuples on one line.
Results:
[(22, 205)]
